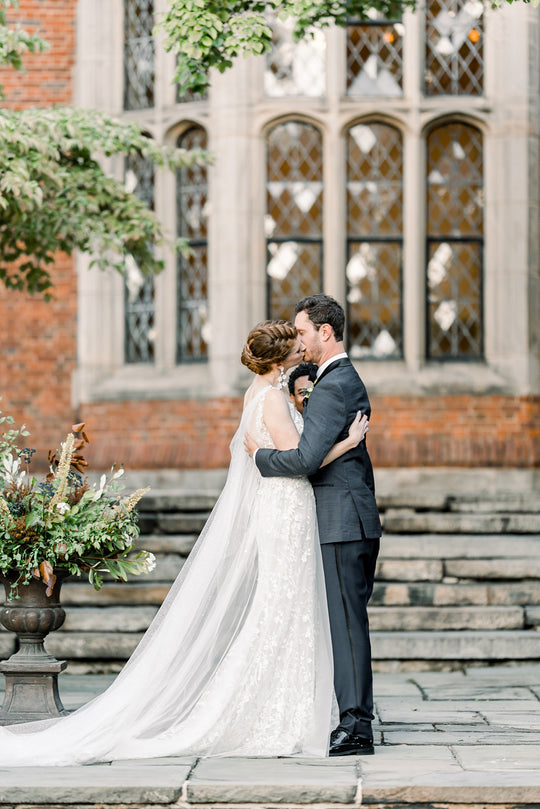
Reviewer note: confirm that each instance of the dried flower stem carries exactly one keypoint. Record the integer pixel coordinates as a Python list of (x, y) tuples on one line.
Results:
[(4, 509), (130, 502), (62, 472)]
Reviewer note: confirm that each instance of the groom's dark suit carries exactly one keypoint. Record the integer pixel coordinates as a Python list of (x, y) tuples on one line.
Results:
[(349, 528)]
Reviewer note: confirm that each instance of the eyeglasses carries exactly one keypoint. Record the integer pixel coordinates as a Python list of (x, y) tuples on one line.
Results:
[(305, 391)]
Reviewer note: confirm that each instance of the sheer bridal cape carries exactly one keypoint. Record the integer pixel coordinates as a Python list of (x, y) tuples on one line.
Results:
[(238, 659)]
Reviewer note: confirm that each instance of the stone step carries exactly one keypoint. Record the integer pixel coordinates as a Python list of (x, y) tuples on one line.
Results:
[(458, 546), (395, 546), (445, 570), (510, 502), (408, 521), (108, 619), (388, 618), (177, 501), (456, 645), (132, 592), (167, 543), (385, 593), (418, 501), (401, 645), (392, 619), (179, 523), (502, 569), (92, 645), (455, 593)]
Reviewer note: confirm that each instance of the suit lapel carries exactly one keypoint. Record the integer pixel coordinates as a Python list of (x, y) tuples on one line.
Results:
[(336, 364)]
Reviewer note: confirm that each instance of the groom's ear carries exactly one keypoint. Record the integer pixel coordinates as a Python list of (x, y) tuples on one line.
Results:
[(326, 332)]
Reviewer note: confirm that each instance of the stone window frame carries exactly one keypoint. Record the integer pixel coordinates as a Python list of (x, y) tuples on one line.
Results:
[(101, 373)]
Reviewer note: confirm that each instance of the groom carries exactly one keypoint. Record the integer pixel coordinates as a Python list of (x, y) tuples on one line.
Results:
[(349, 525)]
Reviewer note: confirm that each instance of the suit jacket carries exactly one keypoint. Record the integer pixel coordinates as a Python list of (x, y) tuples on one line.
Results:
[(344, 489)]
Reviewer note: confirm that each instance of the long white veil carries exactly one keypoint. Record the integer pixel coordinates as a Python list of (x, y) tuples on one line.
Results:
[(146, 712)]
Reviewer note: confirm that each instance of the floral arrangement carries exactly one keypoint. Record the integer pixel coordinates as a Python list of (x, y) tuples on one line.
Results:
[(62, 521)]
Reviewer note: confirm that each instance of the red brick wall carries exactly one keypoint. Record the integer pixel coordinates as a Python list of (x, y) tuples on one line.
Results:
[(469, 431), (37, 339), (48, 77)]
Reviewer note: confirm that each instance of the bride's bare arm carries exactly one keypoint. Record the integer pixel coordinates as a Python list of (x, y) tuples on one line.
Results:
[(277, 417)]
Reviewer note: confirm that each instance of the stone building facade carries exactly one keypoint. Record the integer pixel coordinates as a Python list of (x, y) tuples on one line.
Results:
[(392, 164)]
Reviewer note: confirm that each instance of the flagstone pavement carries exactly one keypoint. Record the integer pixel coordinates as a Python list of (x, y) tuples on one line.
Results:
[(468, 737)]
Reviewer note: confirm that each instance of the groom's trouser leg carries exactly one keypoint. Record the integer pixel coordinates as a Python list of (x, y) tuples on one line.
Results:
[(349, 569)]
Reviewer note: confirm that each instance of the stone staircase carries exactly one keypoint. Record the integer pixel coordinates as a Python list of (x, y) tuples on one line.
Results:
[(458, 583)]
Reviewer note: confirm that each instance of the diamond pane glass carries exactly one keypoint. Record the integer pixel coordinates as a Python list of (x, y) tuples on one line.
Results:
[(374, 181), (374, 300), (295, 68), (139, 54), (455, 243), (454, 281), (192, 279), (455, 196), (454, 47), (139, 304), (294, 217), (375, 59), (294, 271), (374, 238)]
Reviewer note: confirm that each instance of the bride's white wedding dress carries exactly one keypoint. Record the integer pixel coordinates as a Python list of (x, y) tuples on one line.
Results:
[(238, 659)]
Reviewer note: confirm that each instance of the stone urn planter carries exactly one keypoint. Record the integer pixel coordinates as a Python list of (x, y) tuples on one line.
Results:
[(31, 673)]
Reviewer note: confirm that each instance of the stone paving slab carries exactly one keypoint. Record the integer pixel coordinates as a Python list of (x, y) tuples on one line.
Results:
[(484, 757), (444, 735), (286, 780), (98, 783), (461, 737), (407, 775)]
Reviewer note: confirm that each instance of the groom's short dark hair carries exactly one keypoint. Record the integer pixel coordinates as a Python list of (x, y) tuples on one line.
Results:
[(323, 309)]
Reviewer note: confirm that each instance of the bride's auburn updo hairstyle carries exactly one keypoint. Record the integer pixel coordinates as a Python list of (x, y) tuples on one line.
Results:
[(268, 344)]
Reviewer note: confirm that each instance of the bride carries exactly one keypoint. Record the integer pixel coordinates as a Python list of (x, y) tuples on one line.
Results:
[(238, 659)]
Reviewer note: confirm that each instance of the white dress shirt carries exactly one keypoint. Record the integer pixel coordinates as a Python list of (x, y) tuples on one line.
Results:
[(326, 363)]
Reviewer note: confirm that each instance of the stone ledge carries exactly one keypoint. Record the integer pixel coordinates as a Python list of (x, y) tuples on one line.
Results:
[(297, 781), (138, 783)]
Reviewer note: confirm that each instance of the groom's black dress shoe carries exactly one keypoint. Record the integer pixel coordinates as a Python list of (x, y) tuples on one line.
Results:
[(348, 744)]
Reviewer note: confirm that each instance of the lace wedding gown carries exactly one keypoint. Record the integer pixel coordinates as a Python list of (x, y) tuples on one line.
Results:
[(238, 659)]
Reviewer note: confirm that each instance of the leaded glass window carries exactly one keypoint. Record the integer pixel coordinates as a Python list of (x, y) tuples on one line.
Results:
[(374, 241), (455, 212), (294, 215), (139, 54), (454, 47), (375, 56), (139, 306), (295, 68), (192, 270)]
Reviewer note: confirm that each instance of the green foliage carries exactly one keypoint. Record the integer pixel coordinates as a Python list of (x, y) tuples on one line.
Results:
[(62, 522), (55, 195), (208, 33), (211, 33), (16, 42)]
